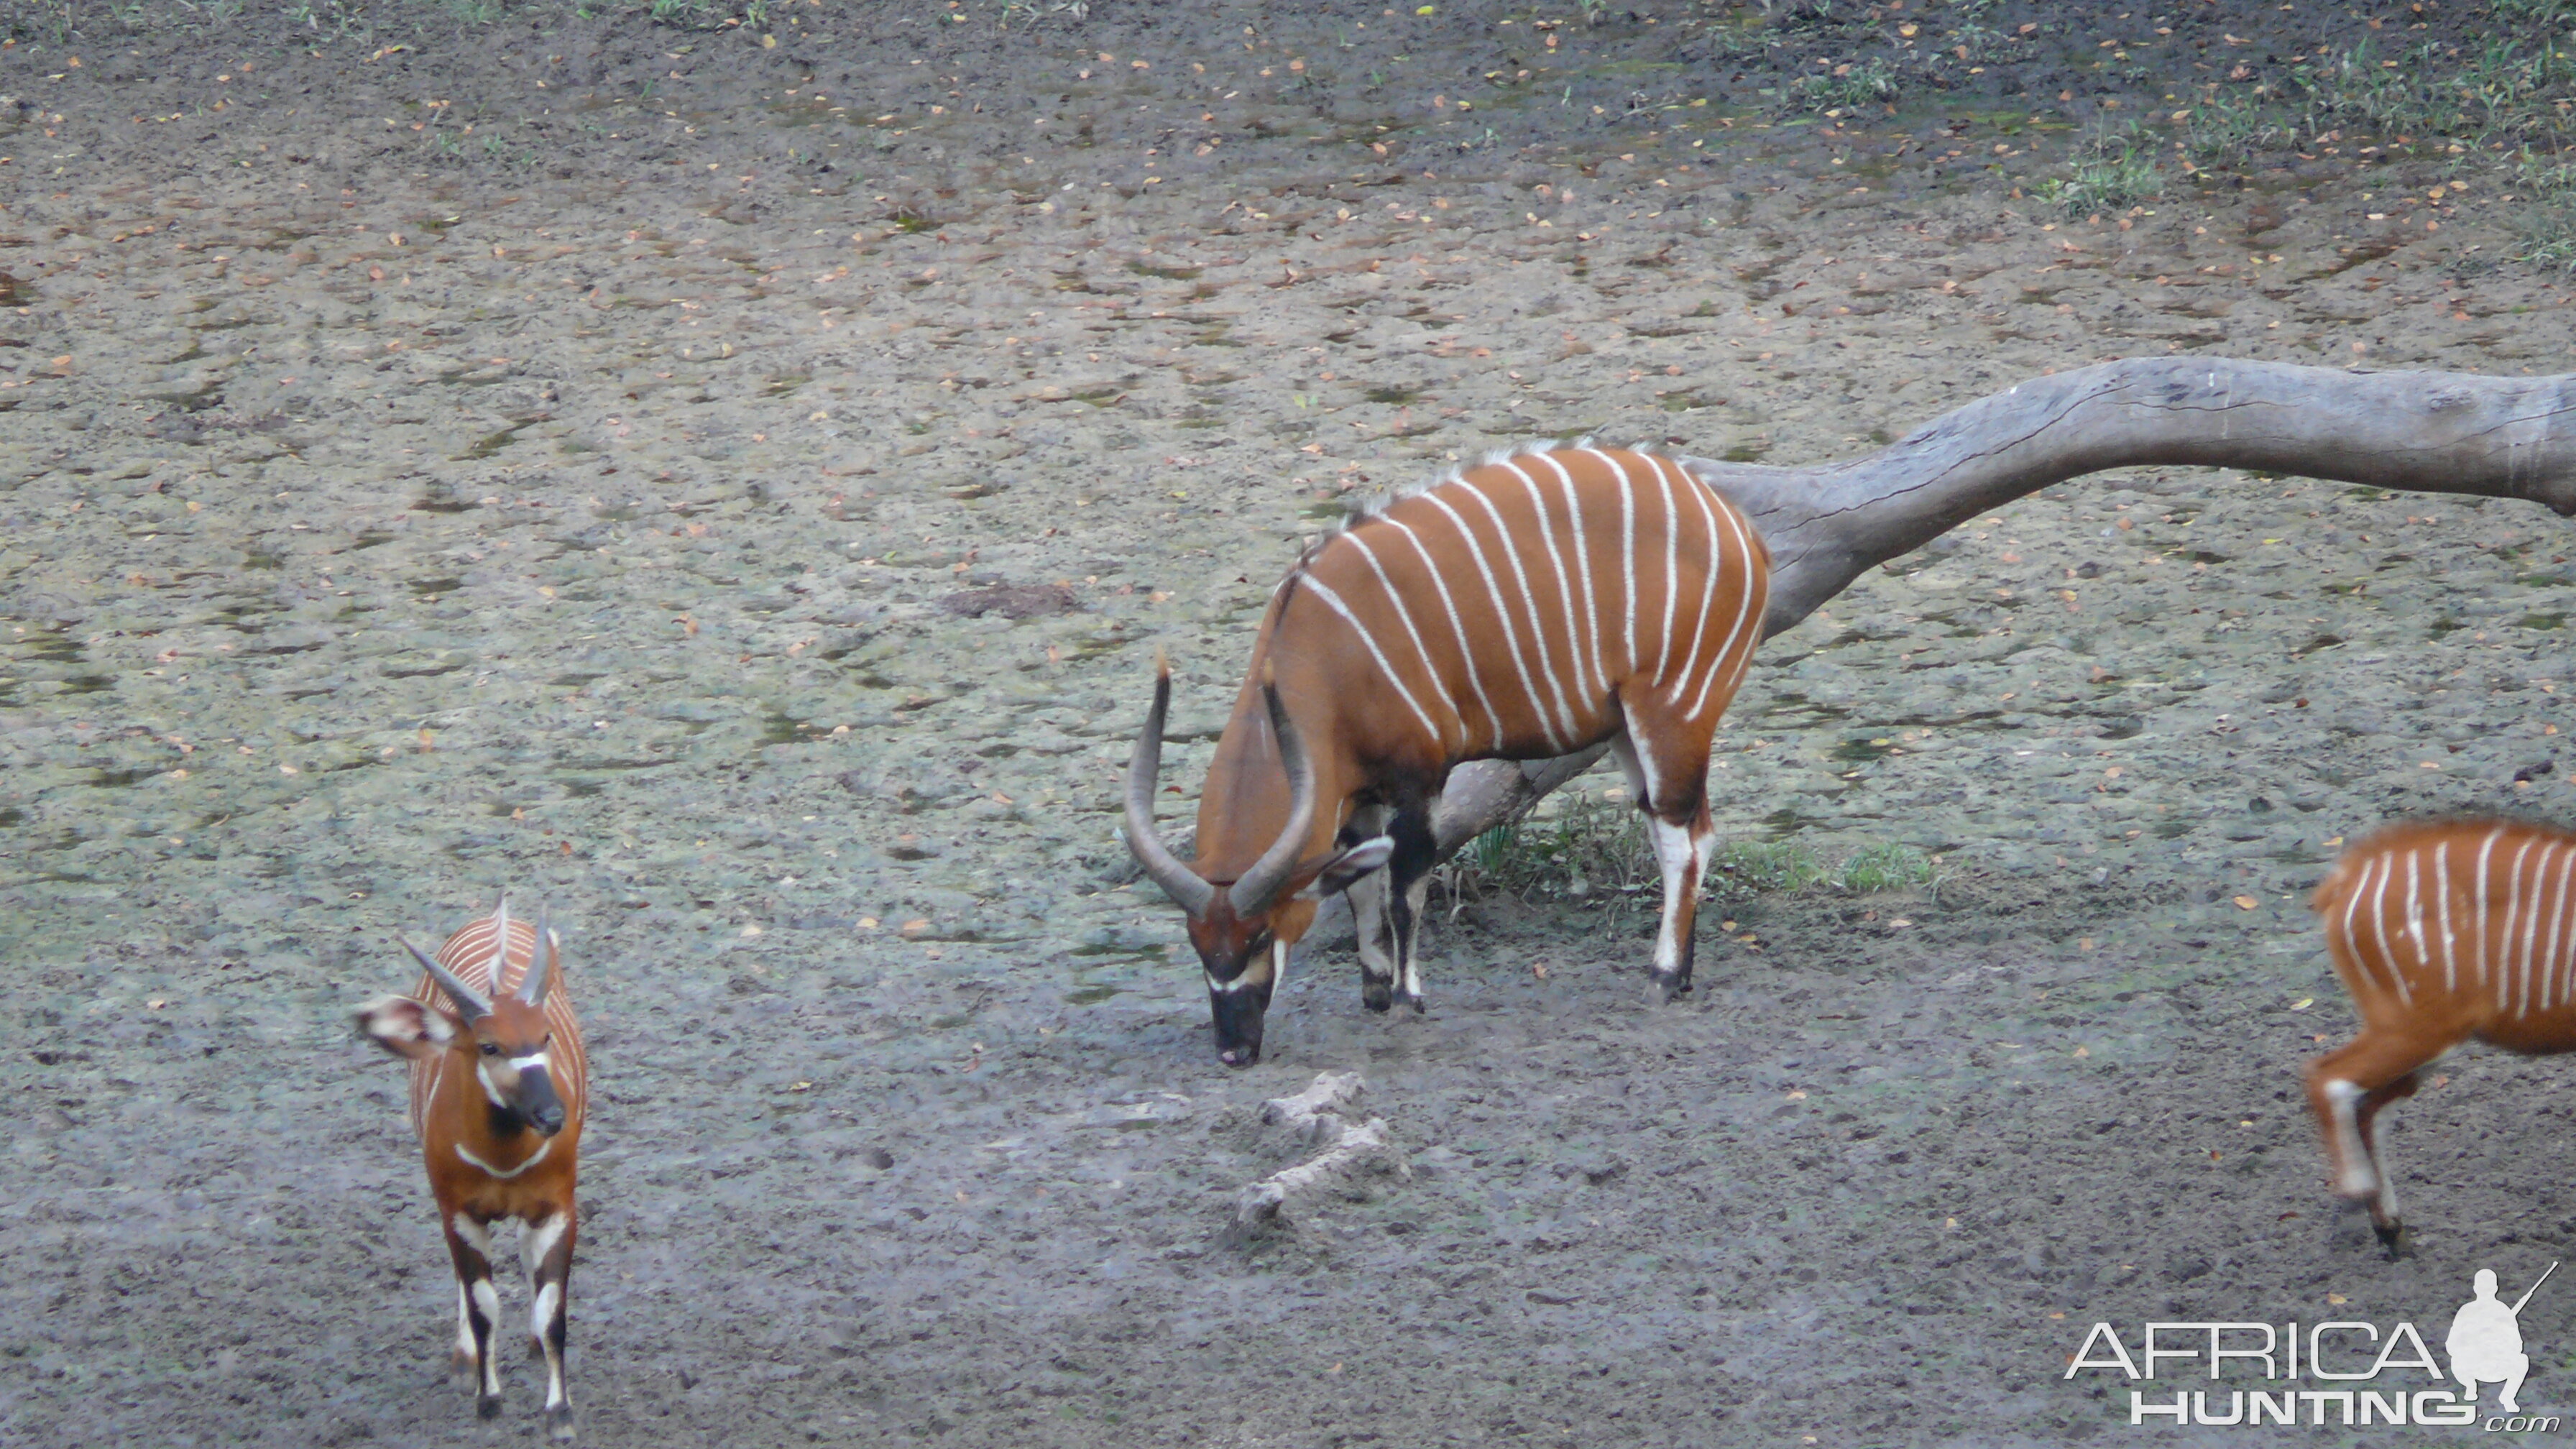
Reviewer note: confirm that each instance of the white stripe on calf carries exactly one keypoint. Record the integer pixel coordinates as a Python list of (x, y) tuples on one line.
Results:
[(1673, 851), (2486, 966), (2397, 973), (1457, 630), (2531, 932), (1334, 602), (2549, 952), (2513, 909), (2357, 1174), (538, 1241), (488, 1299)]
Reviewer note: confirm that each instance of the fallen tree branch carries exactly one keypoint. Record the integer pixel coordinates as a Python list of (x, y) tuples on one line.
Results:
[(2428, 432), (1315, 1116)]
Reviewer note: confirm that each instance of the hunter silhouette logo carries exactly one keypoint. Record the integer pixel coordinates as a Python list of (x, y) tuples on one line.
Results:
[(2343, 1372), (2485, 1344)]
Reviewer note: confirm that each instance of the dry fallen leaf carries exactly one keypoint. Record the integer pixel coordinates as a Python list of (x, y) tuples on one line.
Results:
[(2246, 903)]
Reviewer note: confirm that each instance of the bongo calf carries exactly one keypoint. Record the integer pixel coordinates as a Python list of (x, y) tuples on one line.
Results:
[(498, 1088), (2441, 931)]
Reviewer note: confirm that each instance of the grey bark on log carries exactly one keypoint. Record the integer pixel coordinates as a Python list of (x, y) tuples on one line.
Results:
[(2430, 432)]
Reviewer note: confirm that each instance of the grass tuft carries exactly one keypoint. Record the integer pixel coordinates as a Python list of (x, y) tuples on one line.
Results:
[(1585, 845), (1861, 82), (2108, 171)]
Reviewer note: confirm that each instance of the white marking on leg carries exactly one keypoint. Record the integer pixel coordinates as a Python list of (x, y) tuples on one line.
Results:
[(1650, 795), (487, 1298), (464, 1325), (1414, 895), (534, 1245), (2379, 1169), (542, 1316), (2355, 1179), (1373, 925), (1457, 629), (1674, 851)]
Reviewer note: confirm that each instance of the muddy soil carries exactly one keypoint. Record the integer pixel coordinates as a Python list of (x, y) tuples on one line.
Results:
[(730, 485)]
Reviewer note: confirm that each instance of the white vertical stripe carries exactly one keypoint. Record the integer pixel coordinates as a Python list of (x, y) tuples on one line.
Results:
[(1564, 586), (1672, 560), (2549, 952), (2352, 904), (1422, 651), (1503, 616), (2513, 907), (1627, 549), (1457, 630), (2442, 894), (1565, 727), (2486, 847), (1715, 564), (2557, 925), (2397, 974), (1749, 601), (2531, 928), (1334, 602), (1583, 571)]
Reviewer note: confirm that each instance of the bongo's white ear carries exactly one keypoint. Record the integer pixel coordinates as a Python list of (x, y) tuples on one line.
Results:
[(405, 1027)]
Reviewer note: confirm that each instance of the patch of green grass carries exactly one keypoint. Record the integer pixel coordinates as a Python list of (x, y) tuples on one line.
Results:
[(2226, 128), (2548, 221), (2108, 171), (2511, 85), (1856, 83), (1585, 844), (2543, 12)]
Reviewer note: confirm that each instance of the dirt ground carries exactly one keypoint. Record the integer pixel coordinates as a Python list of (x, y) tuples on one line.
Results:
[(580, 456)]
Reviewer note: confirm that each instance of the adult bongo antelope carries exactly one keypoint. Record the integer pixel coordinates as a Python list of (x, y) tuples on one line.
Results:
[(2441, 931), (1528, 607), (498, 1088)]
